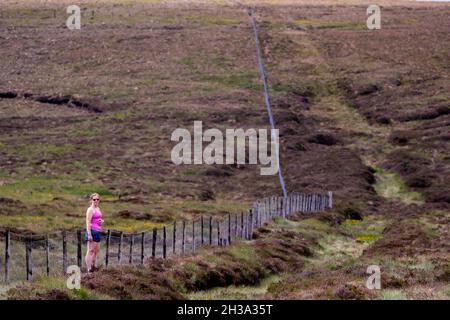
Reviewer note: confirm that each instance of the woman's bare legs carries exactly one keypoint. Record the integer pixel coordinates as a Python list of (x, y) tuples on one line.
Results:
[(90, 255), (96, 249)]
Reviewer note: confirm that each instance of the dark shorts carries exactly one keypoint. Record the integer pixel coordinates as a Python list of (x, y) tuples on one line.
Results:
[(96, 236)]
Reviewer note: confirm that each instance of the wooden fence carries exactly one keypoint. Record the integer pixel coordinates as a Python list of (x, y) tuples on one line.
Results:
[(53, 253)]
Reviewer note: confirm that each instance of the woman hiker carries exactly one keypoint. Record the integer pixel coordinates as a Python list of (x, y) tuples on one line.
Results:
[(94, 223)]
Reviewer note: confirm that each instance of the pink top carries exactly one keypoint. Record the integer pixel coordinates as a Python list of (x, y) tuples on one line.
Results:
[(96, 220)]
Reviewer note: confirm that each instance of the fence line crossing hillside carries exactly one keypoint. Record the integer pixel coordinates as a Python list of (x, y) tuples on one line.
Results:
[(51, 254), (251, 13)]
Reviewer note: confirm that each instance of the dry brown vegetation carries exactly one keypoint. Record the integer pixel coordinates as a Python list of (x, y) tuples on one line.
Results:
[(363, 113)]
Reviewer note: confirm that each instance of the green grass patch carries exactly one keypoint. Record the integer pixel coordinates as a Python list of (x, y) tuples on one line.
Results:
[(118, 94), (42, 189), (426, 265), (243, 80), (368, 237), (209, 20), (351, 222), (391, 186), (367, 230), (237, 292), (445, 292), (47, 285), (43, 150), (392, 294), (320, 24)]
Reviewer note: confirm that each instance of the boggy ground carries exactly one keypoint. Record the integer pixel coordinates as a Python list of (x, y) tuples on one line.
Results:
[(320, 257), (362, 113)]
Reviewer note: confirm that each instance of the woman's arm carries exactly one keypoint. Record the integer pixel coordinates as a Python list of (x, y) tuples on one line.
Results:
[(89, 213)]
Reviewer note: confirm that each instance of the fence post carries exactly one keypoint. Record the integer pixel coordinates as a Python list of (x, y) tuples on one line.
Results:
[(174, 244), (193, 235), (279, 206), (164, 243), (282, 206), (292, 204), (130, 261), (7, 254), (235, 226), (218, 233), (108, 243), (287, 206), (263, 211), (276, 209), (275, 204), (119, 251), (251, 225), (143, 248), (210, 231), (183, 240), (64, 239), (229, 228), (302, 202), (202, 229), (47, 255), (264, 214), (154, 242), (29, 262), (260, 214), (255, 210), (271, 207), (245, 226), (79, 248), (242, 225), (330, 199), (305, 203)]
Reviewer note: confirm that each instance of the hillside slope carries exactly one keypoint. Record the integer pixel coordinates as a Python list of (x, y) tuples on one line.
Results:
[(363, 113)]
